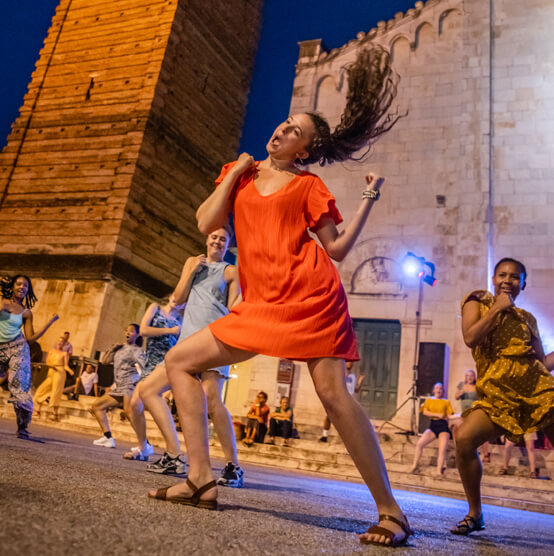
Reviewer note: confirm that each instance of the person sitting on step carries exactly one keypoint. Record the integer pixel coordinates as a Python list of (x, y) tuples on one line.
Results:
[(86, 383), (438, 410), (256, 424), (280, 422)]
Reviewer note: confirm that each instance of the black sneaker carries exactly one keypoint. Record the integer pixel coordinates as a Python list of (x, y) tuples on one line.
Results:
[(167, 465), (231, 476), (323, 439)]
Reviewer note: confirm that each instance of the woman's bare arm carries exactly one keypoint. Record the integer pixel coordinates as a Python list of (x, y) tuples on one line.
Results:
[(338, 244), (148, 331), (232, 277), (213, 213), (29, 330), (475, 328)]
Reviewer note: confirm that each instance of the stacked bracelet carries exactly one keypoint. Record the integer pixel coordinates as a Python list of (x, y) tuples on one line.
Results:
[(371, 194)]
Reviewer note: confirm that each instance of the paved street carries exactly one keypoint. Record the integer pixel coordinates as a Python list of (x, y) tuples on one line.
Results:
[(66, 496)]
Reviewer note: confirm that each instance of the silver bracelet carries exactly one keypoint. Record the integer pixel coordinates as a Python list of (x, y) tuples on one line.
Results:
[(371, 194)]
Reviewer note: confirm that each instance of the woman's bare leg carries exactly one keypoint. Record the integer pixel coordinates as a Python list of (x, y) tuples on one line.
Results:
[(183, 363), (358, 436), (153, 386), (212, 383), (530, 446), (426, 438), (476, 429), (99, 409), (508, 449), (135, 412), (443, 446)]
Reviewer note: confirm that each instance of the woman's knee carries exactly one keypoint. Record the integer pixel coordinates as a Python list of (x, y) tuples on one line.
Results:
[(466, 440)]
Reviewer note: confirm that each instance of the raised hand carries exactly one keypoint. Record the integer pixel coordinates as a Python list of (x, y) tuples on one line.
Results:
[(194, 264), (244, 162), (374, 181), (504, 301)]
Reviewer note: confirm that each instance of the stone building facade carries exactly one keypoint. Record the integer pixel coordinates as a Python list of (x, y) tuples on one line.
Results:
[(469, 179), (132, 109)]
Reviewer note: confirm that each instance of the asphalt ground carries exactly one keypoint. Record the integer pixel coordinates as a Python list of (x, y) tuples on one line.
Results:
[(66, 496)]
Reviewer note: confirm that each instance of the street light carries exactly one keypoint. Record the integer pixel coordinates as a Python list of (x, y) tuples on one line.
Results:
[(414, 266)]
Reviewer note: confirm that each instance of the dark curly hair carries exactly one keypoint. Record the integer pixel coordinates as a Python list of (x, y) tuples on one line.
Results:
[(6, 286), (372, 86)]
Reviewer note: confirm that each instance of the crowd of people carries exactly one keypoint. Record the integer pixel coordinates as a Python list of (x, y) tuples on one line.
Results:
[(293, 306)]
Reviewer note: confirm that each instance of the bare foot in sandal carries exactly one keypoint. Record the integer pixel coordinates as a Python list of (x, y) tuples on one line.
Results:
[(391, 531), (188, 493)]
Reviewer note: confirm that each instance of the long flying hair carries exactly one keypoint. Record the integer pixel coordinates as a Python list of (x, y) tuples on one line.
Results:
[(6, 286), (372, 86)]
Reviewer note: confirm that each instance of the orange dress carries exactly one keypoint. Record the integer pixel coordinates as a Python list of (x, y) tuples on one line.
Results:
[(294, 305)]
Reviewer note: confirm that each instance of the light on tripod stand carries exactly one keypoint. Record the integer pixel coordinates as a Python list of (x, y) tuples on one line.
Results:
[(414, 266)]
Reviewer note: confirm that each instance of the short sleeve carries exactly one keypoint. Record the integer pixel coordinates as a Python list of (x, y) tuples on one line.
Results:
[(460, 385), (320, 203), (224, 170), (531, 322), (141, 356), (449, 410), (95, 379), (481, 296), (425, 406)]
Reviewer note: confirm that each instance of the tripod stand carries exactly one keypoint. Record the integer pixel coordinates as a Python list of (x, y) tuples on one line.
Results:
[(411, 393)]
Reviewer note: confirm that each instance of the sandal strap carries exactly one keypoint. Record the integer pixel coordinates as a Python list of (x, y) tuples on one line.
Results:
[(198, 492), (469, 522), (403, 524), (161, 493)]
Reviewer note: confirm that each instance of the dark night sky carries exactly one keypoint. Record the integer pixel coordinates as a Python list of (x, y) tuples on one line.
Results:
[(24, 25)]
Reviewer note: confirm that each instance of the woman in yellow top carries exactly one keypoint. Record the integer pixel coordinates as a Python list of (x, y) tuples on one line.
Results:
[(438, 411), (516, 391), (52, 386)]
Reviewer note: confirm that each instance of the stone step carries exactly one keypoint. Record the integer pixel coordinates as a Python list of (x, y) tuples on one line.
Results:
[(331, 459)]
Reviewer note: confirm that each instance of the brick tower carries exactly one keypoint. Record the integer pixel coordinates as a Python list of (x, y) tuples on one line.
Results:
[(132, 109)]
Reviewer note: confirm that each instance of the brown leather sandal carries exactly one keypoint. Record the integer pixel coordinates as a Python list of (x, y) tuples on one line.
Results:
[(378, 530), (194, 500)]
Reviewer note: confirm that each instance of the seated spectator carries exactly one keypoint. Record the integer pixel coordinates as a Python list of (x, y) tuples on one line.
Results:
[(280, 422), (438, 410), (86, 382), (256, 425)]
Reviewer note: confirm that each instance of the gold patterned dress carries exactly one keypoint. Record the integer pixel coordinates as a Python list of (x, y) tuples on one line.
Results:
[(515, 389)]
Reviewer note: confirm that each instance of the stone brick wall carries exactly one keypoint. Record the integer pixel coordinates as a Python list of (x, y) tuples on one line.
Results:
[(132, 109), (438, 165)]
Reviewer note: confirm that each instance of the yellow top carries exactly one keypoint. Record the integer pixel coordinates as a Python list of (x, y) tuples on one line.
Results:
[(515, 389), (437, 405)]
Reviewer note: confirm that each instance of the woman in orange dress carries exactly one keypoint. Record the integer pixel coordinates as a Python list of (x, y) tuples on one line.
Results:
[(294, 305)]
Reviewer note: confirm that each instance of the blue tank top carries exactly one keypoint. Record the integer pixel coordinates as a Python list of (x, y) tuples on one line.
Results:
[(10, 326), (207, 299)]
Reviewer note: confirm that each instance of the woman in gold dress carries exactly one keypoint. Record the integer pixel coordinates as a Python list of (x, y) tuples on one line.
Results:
[(514, 386)]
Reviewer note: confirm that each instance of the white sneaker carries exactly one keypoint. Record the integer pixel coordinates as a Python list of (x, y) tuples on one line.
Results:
[(104, 441)]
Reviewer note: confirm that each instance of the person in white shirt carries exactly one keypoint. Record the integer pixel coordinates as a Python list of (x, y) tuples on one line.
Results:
[(86, 382)]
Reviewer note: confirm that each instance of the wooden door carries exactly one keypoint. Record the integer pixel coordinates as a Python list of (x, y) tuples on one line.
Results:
[(379, 349)]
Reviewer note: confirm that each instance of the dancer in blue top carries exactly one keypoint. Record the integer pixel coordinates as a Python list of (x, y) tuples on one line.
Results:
[(17, 300), (210, 287), (161, 325)]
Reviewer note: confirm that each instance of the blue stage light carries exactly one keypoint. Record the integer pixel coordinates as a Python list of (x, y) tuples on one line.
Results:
[(412, 265)]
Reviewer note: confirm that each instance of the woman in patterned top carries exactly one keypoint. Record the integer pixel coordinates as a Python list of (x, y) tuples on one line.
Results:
[(516, 391), (161, 324), (125, 358)]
